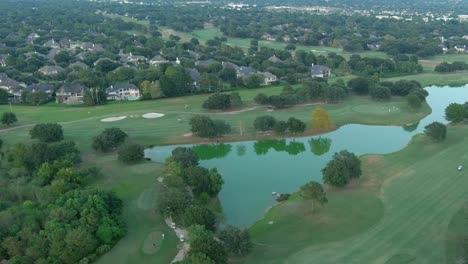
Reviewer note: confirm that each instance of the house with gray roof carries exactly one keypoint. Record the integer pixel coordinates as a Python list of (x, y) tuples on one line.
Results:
[(47, 88), (195, 76), (244, 71), (274, 59), (3, 58), (158, 59), (269, 78), (52, 53), (51, 70), (320, 71), (204, 63), (78, 65), (125, 91), (31, 37), (70, 94), (52, 44), (127, 58), (9, 84), (230, 65)]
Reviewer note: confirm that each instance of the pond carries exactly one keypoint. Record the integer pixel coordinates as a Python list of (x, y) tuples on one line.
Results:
[(252, 170)]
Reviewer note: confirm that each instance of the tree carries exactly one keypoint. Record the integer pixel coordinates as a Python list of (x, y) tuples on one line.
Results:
[(173, 201), (150, 90), (185, 157), (47, 132), (344, 166), (203, 126), (8, 118), (380, 92), (261, 99), (436, 130), (280, 127), (4, 96), (228, 75), (455, 112), (414, 101), (216, 182), (175, 82), (296, 126), (320, 146), (359, 85), (236, 241), (253, 80), (199, 215), (217, 101), (208, 246), (131, 152), (236, 100), (109, 139), (314, 192), (264, 123), (321, 120)]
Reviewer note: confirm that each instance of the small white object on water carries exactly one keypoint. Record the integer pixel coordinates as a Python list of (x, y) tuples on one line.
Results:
[(274, 193), (460, 168)]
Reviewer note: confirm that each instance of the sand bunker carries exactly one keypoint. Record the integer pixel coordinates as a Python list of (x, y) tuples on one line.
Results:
[(113, 119), (153, 115)]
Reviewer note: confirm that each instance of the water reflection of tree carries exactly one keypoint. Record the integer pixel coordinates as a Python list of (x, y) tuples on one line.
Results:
[(411, 127), (293, 148), (320, 146), (240, 149), (212, 151)]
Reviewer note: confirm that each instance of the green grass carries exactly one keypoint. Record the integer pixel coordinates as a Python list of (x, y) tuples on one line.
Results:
[(438, 79), (404, 202), (135, 184)]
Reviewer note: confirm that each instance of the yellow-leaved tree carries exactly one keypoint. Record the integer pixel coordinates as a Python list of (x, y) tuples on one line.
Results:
[(321, 120)]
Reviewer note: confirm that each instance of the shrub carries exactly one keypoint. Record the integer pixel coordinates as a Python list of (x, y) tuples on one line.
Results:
[(218, 101), (264, 123), (131, 152), (109, 139), (47, 132)]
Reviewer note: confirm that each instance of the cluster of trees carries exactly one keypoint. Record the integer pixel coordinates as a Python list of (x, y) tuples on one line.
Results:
[(48, 214), (343, 167), (193, 209), (114, 138), (313, 90), (451, 67), (204, 126), (269, 123), (436, 131), (401, 64), (221, 101), (456, 112)]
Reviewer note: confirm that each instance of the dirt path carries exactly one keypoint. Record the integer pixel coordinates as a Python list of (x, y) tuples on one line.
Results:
[(183, 252)]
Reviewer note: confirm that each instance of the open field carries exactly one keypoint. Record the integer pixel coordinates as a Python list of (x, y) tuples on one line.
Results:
[(406, 200), (438, 79)]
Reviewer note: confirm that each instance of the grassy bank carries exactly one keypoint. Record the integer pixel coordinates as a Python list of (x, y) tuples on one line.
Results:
[(419, 189)]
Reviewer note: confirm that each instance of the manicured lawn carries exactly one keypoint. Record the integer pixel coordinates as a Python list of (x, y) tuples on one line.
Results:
[(398, 212), (136, 184), (438, 79)]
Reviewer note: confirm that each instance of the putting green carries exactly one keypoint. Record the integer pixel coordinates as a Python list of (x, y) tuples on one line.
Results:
[(152, 243)]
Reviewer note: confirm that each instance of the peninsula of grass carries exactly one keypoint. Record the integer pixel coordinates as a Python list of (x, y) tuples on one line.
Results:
[(398, 212)]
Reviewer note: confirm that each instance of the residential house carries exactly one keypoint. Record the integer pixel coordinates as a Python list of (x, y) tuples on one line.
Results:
[(123, 92), (52, 53), (274, 59), (52, 44), (78, 65), (158, 60), (31, 37), (230, 65), (269, 78), (320, 71), (444, 48), (195, 76), (70, 94), (65, 43), (204, 63), (244, 71), (3, 59), (51, 70), (460, 49), (101, 59), (9, 84), (47, 88), (126, 58)]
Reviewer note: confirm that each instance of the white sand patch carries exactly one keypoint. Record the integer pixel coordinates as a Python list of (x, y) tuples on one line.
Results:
[(152, 115), (113, 119), (188, 135)]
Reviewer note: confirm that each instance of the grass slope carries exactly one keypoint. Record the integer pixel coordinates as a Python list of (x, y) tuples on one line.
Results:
[(420, 189)]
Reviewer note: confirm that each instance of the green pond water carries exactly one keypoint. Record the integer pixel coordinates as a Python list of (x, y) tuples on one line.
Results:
[(252, 170)]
